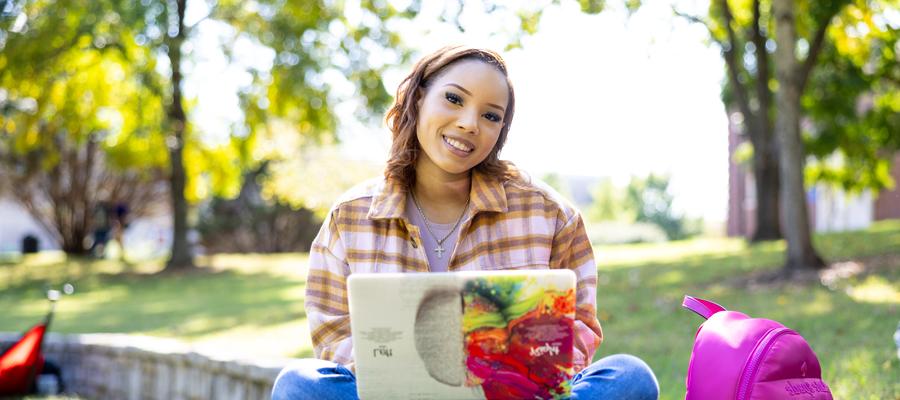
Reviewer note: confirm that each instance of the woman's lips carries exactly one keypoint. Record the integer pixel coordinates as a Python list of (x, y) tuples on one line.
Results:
[(457, 146)]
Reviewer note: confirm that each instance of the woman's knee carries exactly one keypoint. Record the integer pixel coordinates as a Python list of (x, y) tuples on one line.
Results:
[(633, 373), (304, 379), (639, 375)]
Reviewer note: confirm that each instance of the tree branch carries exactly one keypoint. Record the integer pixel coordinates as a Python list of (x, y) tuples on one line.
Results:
[(732, 57), (694, 19), (190, 28), (814, 49), (763, 94)]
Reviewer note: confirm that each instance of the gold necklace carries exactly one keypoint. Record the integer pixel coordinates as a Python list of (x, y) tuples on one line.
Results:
[(440, 247)]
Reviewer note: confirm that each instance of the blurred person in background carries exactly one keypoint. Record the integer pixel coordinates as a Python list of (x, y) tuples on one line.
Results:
[(102, 224)]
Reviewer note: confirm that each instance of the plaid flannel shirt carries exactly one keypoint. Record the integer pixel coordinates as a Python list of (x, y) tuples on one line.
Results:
[(510, 225)]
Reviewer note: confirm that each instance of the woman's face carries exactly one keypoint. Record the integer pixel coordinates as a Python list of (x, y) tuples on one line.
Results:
[(461, 115)]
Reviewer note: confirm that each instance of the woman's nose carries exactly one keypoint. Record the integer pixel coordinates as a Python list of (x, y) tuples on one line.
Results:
[(468, 121)]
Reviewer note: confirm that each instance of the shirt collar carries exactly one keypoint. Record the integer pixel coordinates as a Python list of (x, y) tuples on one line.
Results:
[(487, 194)]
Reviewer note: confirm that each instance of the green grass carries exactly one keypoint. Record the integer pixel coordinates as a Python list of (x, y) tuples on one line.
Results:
[(252, 305), (241, 305)]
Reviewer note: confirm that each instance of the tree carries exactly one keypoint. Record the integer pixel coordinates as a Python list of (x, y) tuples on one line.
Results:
[(650, 201), (308, 39), (294, 84), (746, 47), (814, 26), (77, 131), (800, 252), (177, 123)]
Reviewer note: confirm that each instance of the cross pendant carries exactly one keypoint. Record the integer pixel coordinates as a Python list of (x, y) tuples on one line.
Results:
[(439, 250)]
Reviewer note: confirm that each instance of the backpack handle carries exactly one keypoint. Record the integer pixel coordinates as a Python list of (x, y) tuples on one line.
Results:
[(703, 308)]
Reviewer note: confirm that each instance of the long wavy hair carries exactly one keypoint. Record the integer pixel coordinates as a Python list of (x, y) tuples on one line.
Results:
[(403, 115)]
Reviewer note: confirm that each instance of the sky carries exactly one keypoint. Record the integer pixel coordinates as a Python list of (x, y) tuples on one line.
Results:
[(608, 95)]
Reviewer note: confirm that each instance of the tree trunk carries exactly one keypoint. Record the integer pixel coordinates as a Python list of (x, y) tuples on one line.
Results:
[(765, 160), (758, 124), (801, 255), (765, 171), (181, 256)]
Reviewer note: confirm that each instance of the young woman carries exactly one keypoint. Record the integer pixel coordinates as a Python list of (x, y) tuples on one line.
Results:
[(448, 203)]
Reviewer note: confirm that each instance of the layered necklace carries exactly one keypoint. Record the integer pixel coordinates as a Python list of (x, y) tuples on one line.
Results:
[(440, 241)]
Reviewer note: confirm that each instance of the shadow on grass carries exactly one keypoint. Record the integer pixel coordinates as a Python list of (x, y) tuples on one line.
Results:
[(184, 304)]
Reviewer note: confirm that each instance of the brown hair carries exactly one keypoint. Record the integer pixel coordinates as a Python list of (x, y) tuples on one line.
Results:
[(402, 117)]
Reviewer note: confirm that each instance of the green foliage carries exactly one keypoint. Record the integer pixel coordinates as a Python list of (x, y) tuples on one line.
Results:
[(101, 81), (645, 201), (239, 226), (249, 223), (596, 6), (104, 69), (309, 39), (610, 204), (651, 201), (529, 20), (558, 183), (78, 124), (86, 93), (315, 177), (851, 100)]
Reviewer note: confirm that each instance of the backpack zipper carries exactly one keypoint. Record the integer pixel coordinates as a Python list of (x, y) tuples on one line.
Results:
[(756, 359)]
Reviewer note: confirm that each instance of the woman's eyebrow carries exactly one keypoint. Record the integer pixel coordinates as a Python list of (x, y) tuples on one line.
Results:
[(470, 93)]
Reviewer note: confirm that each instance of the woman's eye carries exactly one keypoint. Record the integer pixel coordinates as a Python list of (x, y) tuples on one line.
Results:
[(453, 98), (492, 117)]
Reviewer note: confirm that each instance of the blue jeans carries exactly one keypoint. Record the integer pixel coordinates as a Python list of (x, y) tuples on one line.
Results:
[(620, 377)]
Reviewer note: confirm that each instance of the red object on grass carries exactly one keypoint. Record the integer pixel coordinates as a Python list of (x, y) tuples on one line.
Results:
[(22, 363)]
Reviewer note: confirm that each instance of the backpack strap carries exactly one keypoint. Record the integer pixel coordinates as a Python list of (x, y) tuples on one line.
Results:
[(703, 308)]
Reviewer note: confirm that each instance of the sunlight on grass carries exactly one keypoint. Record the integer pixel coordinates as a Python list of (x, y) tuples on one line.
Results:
[(44, 258), (289, 263), (859, 373), (822, 305), (624, 255), (887, 226), (875, 289), (86, 300), (670, 278), (273, 341)]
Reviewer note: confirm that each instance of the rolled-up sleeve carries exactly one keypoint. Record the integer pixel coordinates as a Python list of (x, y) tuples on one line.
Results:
[(572, 249), (326, 296)]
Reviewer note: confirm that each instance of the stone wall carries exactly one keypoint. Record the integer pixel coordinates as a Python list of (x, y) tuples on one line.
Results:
[(126, 367)]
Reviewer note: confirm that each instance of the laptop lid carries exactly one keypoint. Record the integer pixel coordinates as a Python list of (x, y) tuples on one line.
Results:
[(463, 335)]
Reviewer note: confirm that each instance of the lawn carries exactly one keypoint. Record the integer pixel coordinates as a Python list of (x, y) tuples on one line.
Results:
[(252, 305)]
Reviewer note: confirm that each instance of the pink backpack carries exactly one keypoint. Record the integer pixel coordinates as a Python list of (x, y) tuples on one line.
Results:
[(736, 357)]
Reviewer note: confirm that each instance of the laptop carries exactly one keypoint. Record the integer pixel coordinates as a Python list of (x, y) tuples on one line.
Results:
[(463, 335)]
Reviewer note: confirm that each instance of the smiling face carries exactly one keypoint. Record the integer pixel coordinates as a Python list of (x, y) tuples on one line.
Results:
[(461, 116)]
